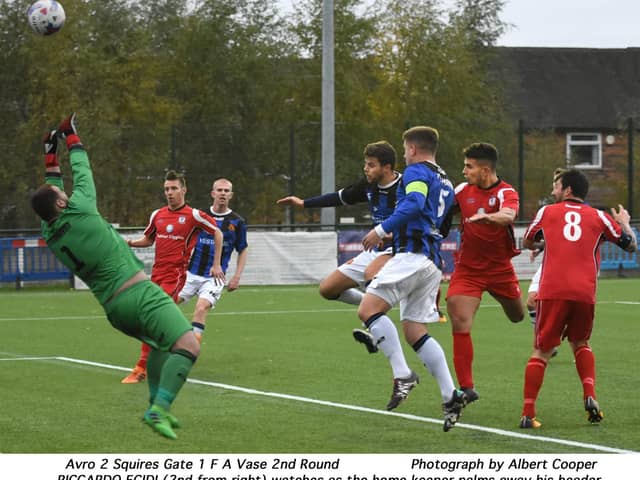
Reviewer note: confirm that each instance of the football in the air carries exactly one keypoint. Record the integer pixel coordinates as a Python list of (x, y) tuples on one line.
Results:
[(46, 17)]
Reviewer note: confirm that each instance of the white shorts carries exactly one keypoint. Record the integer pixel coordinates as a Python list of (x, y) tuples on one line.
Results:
[(354, 268), (411, 280), (535, 281), (203, 287)]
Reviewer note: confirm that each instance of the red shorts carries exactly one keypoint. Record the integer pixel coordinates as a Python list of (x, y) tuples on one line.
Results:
[(557, 319), (473, 283), (170, 280)]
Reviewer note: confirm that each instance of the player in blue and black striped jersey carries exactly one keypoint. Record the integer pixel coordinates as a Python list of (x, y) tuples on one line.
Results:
[(199, 282), (411, 278), (378, 189)]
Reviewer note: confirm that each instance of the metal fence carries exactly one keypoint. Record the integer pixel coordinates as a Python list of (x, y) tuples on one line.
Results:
[(29, 259)]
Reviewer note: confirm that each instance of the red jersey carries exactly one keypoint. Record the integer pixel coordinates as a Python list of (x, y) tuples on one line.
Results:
[(175, 233), (482, 246), (573, 233)]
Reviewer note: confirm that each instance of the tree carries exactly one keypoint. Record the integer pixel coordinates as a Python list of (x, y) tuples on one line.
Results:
[(436, 73), (223, 87)]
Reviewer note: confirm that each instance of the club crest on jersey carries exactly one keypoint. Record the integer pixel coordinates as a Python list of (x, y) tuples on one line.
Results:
[(492, 201), (169, 228), (182, 220)]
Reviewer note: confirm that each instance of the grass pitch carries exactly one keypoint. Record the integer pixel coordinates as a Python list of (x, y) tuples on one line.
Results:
[(280, 373)]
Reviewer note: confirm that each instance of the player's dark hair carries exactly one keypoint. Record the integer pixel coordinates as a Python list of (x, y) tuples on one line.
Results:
[(173, 175), (43, 202), (424, 138), (577, 181), (383, 151), (482, 152), (557, 173)]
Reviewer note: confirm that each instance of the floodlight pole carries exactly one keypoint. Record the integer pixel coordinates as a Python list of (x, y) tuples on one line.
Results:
[(630, 169), (328, 215)]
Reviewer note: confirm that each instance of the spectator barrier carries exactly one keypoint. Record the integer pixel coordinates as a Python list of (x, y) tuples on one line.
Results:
[(275, 258)]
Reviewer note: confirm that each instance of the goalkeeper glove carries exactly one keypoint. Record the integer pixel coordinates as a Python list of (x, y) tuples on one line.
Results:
[(67, 130), (50, 142)]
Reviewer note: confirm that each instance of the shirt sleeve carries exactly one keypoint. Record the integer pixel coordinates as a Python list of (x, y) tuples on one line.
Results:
[(355, 193), (535, 226), (54, 179), (150, 231), (83, 196), (612, 229), (204, 221), (321, 201), (241, 237), (416, 191), (509, 198)]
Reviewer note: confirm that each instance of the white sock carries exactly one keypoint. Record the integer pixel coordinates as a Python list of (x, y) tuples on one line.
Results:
[(351, 296), (386, 336), (197, 328), (432, 356)]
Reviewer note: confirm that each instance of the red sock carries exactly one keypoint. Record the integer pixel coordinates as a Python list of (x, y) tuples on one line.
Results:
[(586, 367), (144, 354), (533, 377), (463, 358)]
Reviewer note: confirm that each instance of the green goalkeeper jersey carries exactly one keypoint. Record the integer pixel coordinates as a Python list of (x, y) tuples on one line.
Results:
[(84, 241)]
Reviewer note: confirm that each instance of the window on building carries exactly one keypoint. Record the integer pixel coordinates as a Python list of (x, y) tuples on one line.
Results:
[(584, 150)]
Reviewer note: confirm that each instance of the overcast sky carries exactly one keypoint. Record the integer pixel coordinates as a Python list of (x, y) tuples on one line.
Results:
[(567, 23), (572, 23)]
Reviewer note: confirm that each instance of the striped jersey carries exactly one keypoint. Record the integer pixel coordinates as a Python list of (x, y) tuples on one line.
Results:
[(425, 195), (234, 230), (382, 199)]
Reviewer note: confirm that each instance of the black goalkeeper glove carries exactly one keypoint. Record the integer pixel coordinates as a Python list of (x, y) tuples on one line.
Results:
[(50, 143)]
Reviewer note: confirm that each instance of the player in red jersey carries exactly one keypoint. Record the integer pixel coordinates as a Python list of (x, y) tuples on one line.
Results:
[(572, 233), (174, 229), (488, 207)]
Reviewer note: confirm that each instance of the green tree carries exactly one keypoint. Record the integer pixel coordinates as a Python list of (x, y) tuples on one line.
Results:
[(224, 87), (14, 111), (435, 72)]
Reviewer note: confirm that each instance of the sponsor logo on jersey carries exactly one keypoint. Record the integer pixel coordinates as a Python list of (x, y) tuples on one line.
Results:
[(169, 228), (481, 210), (171, 237)]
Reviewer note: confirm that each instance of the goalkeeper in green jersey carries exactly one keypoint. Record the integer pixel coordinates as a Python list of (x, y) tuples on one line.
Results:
[(90, 247)]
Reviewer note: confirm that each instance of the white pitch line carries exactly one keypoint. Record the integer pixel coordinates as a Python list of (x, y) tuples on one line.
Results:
[(13, 359), (251, 391), (257, 312)]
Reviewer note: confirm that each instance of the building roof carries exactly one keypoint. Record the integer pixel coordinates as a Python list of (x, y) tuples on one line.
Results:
[(570, 88)]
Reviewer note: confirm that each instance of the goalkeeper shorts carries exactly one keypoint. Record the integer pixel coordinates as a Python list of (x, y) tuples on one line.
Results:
[(146, 312)]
